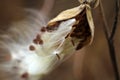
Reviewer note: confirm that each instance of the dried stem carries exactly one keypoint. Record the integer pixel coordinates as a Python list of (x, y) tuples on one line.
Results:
[(116, 20), (110, 39), (106, 28)]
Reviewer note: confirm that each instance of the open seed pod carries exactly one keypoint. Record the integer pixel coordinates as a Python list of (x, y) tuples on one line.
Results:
[(71, 30), (82, 31)]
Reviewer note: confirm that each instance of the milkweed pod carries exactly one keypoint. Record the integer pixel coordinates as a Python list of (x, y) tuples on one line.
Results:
[(82, 31), (92, 3), (71, 30)]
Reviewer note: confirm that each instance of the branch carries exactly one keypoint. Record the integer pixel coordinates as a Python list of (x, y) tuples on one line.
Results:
[(116, 20), (110, 39)]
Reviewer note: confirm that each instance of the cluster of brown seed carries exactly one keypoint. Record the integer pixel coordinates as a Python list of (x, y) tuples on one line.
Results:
[(81, 30), (37, 40)]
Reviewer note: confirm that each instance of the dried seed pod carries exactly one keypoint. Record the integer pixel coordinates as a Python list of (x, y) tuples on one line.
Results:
[(82, 30), (69, 31), (43, 29)]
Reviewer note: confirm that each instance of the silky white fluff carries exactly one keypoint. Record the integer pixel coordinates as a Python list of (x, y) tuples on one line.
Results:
[(15, 43)]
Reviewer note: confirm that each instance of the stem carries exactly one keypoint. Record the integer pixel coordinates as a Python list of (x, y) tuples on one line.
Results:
[(113, 58), (106, 28), (110, 39), (116, 20)]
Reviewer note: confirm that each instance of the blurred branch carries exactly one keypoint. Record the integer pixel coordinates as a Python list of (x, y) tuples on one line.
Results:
[(106, 28), (110, 39), (47, 6), (116, 20)]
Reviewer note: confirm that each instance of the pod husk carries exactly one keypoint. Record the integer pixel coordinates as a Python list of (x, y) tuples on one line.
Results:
[(82, 31)]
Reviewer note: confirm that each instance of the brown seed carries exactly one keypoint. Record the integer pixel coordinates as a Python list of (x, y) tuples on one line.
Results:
[(41, 41), (43, 29), (35, 41), (25, 75), (32, 48), (58, 56)]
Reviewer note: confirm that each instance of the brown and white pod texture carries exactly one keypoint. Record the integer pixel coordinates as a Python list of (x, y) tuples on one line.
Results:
[(71, 30), (82, 30), (33, 56)]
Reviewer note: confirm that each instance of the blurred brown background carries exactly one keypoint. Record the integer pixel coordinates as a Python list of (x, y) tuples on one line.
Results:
[(90, 63)]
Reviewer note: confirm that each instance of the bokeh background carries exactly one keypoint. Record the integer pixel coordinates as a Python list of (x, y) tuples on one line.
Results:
[(90, 63)]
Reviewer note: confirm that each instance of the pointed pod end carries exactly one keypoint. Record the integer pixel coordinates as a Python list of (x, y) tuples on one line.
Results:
[(92, 3)]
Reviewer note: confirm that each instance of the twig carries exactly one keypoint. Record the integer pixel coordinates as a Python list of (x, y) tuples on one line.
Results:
[(116, 20), (106, 28), (110, 39)]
